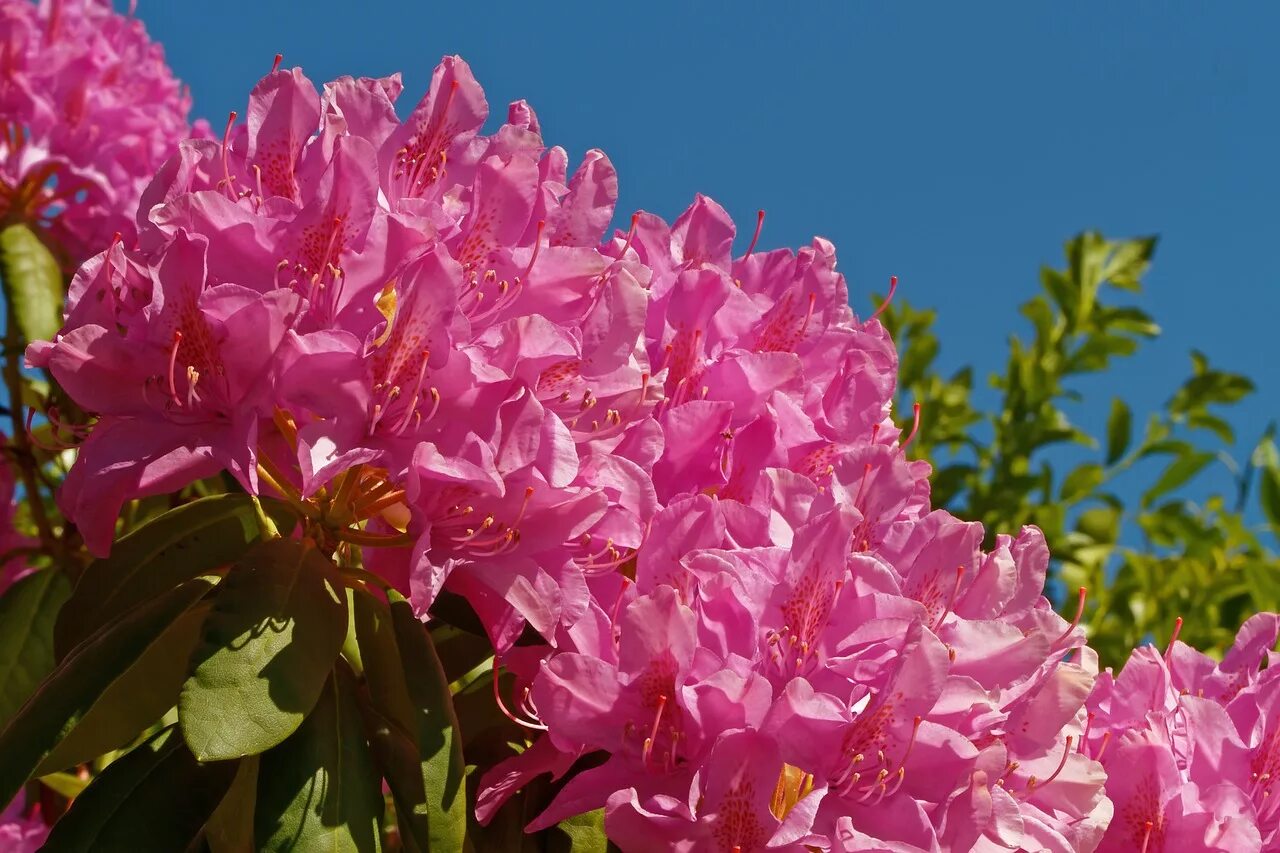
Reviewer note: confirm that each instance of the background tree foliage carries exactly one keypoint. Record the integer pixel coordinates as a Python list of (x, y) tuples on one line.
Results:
[(1182, 548)]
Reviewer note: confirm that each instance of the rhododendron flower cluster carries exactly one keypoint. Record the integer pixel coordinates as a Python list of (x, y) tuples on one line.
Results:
[(88, 111), (665, 477), (1190, 745)]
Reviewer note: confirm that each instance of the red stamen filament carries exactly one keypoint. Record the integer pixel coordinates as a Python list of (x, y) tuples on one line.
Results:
[(756, 236), (1106, 739), (862, 484), (173, 360), (226, 155), (915, 426), (653, 733), (951, 602), (631, 233), (497, 697), (275, 66), (1031, 783), (1177, 629), (1080, 599), (537, 247), (1146, 836), (893, 288)]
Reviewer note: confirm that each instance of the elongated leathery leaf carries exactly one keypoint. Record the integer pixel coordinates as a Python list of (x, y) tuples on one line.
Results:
[(135, 700), (437, 735), (32, 283), (183, 543), (27, 613), (319, 789), (277, 624), (78, 681), (157, 798)]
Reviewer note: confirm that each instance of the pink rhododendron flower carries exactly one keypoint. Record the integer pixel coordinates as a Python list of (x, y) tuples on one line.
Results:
[(22, 830), (400, 317), (1189, 745), (89, 110)]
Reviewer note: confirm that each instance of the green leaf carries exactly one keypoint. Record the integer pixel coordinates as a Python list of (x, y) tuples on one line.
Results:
[(136, 699), (78, 681), (277, 624), (32, 283), (583, 833), (437, 735), (64, 784), (1081, 482), (318, 790), (230, 827), (27, 613), (181, 544), (1179, 471), (1119, 430), (156, 798), (1268, 487)]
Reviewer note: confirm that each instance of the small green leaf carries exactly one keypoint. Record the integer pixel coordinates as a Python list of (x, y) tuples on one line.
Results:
[(181, 544), (1081, 482), (230, 827), (319, 790), (27, 613), (32, 283), (1269, 487), (438, 738), (1179, 471), (157, 798), (136, 699), (277, 624), (78, 681), (583, 833), (1119, 430)]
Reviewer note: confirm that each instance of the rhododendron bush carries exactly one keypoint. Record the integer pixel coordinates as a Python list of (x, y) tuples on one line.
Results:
[(368, 489)]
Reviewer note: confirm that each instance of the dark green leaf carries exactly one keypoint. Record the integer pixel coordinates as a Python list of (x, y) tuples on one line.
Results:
[(78, 681), (156, 798), (1269, 494), (27, 613), (142, 694), (230, 827), (319, 790), (32, 283), (437, 735), (184, 543), (1119, 430), (277, 624)]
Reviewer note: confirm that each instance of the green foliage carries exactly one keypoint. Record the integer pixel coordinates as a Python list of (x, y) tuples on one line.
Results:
[(319, 790), (268, 647), (156, 799), (80, 679), (262, 677), (33, 283), (27, 612), (1175, 552), (183, 543)]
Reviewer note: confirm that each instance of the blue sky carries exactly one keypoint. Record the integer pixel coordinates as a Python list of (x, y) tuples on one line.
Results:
[(952, 148)]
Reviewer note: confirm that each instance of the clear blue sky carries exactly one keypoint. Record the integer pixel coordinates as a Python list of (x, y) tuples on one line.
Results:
[(954, 148)]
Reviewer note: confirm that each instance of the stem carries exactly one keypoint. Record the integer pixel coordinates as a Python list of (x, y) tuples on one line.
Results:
[(372, 540), (306, 509), (21, 442)]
